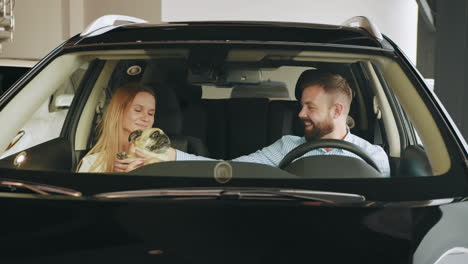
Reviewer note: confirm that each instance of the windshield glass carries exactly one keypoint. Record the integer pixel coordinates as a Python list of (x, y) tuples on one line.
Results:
[(266, 111)]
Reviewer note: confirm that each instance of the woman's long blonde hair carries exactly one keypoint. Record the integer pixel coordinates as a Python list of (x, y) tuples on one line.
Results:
[(110, 126)]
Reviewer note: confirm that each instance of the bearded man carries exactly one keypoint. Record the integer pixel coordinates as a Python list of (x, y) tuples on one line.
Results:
[(326, 100)]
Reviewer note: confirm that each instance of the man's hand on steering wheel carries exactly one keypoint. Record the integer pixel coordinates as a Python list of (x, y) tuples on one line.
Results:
[(326, 143)]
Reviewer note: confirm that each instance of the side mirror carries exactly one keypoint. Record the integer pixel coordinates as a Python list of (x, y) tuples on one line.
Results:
[(62, 101)]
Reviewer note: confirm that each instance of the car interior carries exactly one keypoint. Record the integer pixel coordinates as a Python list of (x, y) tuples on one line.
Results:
[(237, 101)]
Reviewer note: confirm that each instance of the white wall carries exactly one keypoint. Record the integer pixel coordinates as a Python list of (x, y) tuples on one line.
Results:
[(396, 18), (38, 30), (149, 10), (43, 25)]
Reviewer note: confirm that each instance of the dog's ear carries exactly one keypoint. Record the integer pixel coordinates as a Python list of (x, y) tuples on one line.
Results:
[(134, 135)]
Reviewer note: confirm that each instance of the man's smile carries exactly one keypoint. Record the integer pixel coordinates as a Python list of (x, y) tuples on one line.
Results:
[(308, 123)]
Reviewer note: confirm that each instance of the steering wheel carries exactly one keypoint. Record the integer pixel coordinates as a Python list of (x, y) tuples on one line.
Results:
[(326, 143)]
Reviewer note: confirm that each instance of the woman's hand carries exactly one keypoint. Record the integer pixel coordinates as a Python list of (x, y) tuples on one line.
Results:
[(128, 164)]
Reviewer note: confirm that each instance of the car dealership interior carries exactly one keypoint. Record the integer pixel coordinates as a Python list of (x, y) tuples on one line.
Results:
[(231, 78)]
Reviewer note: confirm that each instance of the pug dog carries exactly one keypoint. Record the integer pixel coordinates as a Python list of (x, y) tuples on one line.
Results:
[(152, 142)]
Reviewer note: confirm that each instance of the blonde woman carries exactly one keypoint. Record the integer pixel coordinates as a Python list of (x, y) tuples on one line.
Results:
[(132, 107)]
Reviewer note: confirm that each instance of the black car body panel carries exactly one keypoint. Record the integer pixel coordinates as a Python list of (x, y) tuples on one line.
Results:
[(289, 32), (169, 231)]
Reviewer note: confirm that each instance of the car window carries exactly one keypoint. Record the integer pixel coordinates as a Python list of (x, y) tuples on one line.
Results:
[(9, 75), (213, 92), (231, 106), (432, 153), (47, 121)]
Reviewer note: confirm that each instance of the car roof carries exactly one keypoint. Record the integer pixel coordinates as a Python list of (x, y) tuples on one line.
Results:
[(233, 31), (13, 62)]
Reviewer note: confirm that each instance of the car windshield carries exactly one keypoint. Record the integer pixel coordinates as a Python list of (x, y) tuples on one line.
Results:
[(223, 102)]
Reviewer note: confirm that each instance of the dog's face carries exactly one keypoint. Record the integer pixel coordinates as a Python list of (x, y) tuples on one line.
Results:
[(150, 139)]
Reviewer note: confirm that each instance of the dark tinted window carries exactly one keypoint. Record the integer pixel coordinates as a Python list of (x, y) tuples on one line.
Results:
[(9, 75)]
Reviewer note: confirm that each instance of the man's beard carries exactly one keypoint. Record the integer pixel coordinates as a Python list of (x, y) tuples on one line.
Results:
[(319, 130)]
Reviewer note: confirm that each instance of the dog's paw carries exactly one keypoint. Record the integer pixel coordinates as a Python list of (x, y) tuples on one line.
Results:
[(121, 155)]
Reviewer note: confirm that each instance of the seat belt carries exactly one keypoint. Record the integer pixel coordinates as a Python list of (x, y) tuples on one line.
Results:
[(378, 140), (377, 133)]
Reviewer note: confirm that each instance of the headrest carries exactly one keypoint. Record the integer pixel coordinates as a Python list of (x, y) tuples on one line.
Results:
[(189, 93), (263, 90), (168, 114)]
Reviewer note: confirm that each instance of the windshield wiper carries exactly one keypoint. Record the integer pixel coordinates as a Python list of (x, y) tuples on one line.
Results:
[(240, 193), (38, 188), (327, 197)]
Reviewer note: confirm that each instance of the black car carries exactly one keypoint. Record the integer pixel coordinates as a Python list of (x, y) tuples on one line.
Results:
[(227, 89)]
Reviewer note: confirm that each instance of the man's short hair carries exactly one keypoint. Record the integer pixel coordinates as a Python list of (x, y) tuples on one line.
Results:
[(331, 83)]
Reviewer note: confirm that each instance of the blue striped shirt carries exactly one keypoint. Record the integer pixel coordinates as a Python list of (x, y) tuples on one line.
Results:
[(273, 154)]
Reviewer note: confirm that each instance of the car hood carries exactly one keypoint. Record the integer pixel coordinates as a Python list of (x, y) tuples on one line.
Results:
[(203, 231)]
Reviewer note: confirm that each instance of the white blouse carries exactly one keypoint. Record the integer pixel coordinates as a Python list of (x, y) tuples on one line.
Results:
[(88, 161)]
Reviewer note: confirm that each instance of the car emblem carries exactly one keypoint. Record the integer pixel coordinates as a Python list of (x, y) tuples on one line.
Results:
[(223, 172)]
